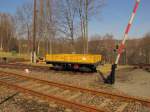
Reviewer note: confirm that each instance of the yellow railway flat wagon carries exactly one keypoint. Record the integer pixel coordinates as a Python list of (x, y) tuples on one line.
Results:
[(74, 61)]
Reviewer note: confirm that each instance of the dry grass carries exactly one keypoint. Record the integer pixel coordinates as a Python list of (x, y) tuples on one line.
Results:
[(11, 55)]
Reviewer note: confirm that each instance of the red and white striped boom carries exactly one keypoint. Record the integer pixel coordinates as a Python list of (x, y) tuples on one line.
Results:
[(122, 45), (111, 77)]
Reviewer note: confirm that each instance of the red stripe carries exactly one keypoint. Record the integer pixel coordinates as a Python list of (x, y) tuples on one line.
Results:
[(121, 47), (128, 28), (135, 7)]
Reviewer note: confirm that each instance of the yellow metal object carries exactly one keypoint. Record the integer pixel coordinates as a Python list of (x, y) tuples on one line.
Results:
[(105, 69), (74, 58)]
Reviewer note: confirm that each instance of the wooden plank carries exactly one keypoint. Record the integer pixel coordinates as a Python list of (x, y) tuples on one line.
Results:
[(105, 103), (64, 92), (122, 107), (74, 96), (52, 90)]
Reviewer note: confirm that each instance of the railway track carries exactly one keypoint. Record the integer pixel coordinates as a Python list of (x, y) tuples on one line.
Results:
[(73, 97), (21, 66), (142, 66), (24, 66)]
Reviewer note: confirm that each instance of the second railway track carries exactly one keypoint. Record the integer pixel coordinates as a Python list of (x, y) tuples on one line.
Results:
[(24, 66), (73, 97), (142, 66), (20, 66)]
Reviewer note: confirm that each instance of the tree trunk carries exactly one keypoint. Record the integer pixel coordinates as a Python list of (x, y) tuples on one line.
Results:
[(38, 48), (86, 24), (1, 47), (29, 44)]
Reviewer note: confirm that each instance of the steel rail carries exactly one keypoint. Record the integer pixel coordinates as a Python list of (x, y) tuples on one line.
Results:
[(23, 66), (54, 98), (127, 98)]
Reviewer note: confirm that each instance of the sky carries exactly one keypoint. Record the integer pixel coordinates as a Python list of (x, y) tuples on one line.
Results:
[(113, 18)]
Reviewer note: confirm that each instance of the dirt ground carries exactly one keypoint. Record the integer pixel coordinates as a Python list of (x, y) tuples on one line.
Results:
[(134, 82), (130, 81), (26, 103)]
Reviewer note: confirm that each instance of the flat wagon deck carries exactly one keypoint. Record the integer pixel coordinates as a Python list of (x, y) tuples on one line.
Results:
[(74, 61)]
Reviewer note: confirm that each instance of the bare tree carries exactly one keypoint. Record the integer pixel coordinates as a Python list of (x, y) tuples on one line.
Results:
[(24, 21), (46, 25), (7, 31), (1, 28), (145, 48), (40, 25), (50, 25), (66, 19), (86, 10), (103, 45), (138, 50)]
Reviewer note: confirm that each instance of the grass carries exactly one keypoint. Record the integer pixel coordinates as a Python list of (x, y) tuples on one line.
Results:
[(13, 55), (106, 68), (38, 64)]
